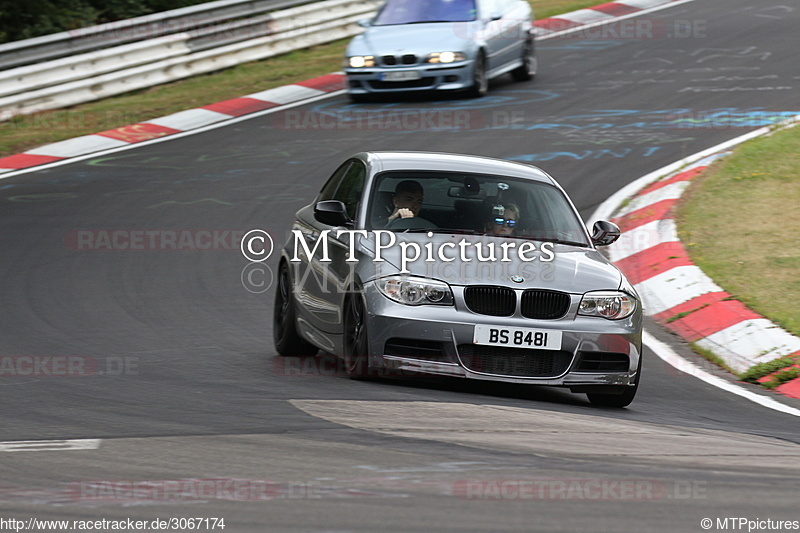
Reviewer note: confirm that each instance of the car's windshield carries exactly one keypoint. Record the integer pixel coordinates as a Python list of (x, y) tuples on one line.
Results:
[(421, 11), (447, 202)]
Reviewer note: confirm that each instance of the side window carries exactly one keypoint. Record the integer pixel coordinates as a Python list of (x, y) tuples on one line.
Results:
[(352, 184), (329, 189)]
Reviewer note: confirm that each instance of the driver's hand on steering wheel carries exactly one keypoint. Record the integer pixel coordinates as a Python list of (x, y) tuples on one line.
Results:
[(403, 212)]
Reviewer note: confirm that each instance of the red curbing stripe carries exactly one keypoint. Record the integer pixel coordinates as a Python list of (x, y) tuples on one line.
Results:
[(135, 133), (556, 24), (791, 388), (26, 160), (653, 261), (239, 106), (328, 83), (615, 9), (691, 305), (657, 211), (710, 319), (683, 176)]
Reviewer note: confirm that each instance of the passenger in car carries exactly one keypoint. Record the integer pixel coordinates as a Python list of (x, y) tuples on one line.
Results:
[(504, 220)]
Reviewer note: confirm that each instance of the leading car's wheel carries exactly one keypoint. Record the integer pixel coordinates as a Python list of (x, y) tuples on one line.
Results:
[(284, 328), (618, 400), (526, 71), (356, 337), (480, 81)]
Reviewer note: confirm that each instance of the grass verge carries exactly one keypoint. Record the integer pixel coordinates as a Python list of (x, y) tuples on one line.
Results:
[(29, 131), (739, 223)]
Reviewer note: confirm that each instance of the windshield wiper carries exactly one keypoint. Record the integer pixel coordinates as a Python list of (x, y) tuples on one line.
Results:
[(440, 230), (563, 241)]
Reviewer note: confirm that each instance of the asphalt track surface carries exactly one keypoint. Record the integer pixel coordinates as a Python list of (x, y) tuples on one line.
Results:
[(185, 383)]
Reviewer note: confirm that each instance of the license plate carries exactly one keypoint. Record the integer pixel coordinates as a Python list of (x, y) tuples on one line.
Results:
[(403, 75), (542, 339)]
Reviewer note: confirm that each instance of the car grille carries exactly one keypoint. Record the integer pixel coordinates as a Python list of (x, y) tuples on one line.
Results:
[(494, 301), (414, 349), (544, 304), (406, 59), (603, 362), (516, 362)]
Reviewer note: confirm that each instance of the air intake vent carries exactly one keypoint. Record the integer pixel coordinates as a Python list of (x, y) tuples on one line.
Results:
[(517, 362)]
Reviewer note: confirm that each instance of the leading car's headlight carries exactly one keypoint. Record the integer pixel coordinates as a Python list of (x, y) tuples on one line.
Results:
[(445, 57), (411, 290), (361, 61), (612, 305)]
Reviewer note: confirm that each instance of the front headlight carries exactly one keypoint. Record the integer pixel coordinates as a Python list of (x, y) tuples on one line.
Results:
[(361, 61), (411, 290), (445, 57), (612, 305)]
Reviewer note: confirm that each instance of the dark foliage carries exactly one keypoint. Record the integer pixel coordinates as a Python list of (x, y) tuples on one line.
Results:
[(23, 19)]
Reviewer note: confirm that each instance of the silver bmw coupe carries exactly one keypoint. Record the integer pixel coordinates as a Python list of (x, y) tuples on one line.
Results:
[(461, 266)]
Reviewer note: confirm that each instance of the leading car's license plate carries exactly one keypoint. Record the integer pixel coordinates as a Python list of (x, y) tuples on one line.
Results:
[(403, 75), (542, 339)]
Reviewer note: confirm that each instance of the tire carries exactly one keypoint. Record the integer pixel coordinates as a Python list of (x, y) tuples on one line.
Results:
[(356, 337), (618, 400), (527, 71), (480, 83), (284, 326)]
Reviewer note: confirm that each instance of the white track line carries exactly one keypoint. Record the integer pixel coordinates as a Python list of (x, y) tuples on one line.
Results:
[(671, 357), (49, 445)]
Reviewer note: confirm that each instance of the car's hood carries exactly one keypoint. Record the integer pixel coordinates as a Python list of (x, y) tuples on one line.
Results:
[(571, 269), (418, 39)]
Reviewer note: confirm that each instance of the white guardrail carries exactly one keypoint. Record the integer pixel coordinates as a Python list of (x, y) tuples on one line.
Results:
[(207, 45)]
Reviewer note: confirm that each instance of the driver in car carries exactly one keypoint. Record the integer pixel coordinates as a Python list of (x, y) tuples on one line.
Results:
[(407, 200)]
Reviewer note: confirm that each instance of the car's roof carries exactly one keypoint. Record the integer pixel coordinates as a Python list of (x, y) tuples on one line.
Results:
[(446, 162)]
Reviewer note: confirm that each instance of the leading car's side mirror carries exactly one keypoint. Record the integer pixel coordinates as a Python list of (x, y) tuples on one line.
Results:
[(332, 213), (604, 233)]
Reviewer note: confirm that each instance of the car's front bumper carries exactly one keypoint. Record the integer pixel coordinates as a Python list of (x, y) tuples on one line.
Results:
[(455, 76), (438, 340)]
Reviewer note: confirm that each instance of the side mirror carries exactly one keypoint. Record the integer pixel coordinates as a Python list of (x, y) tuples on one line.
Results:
[(364, 23), (604, 233), (332, 213)]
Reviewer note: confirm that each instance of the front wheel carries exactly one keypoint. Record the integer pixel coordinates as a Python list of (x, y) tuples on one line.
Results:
[(356, 337), (526, 71), (614, 400), (623, 399), (480, 81), (284, 328)]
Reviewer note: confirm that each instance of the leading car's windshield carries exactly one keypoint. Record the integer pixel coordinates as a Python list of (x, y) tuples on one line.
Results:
[(445, 202), (421, 11)]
